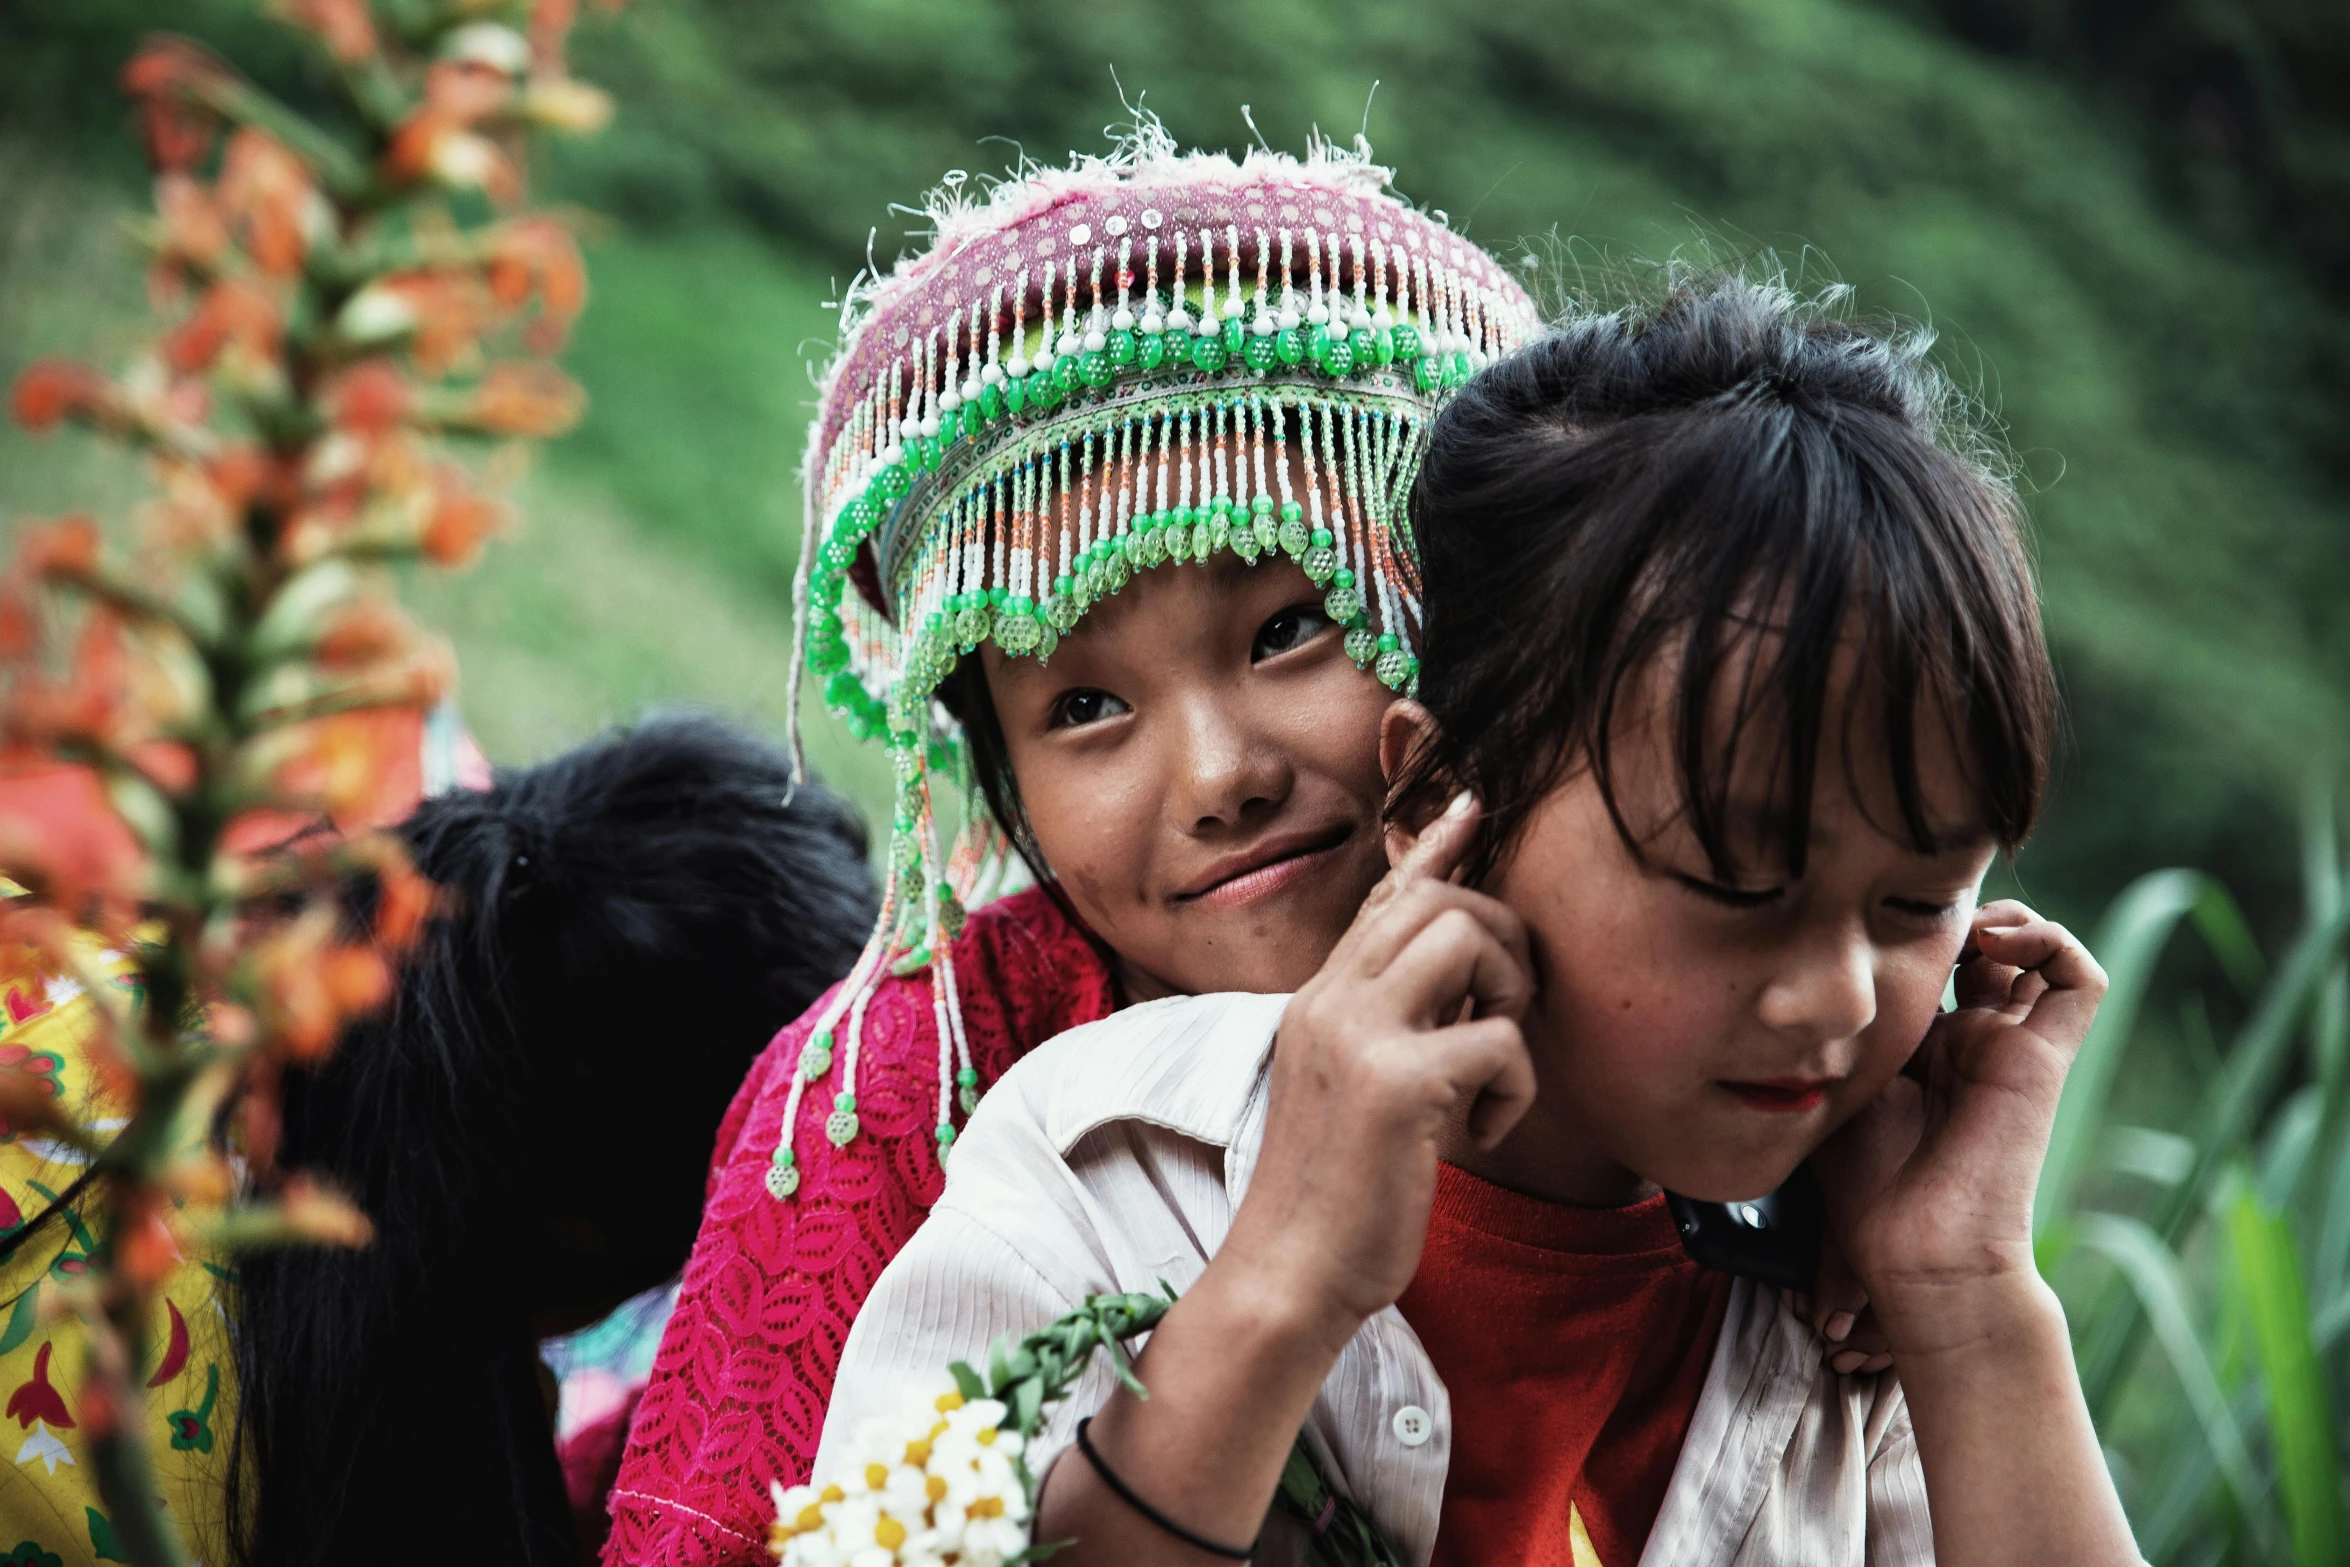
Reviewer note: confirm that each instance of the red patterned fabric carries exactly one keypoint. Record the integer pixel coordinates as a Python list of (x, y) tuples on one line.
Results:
[(745, 1369)]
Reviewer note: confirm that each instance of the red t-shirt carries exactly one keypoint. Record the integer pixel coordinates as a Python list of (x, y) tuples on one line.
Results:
[(1574, 1343)]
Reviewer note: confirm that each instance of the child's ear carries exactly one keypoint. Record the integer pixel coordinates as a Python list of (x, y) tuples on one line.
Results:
[(1403, 729)]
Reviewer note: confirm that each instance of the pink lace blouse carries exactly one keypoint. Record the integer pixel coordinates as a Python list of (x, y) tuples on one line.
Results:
[(746, 1366)]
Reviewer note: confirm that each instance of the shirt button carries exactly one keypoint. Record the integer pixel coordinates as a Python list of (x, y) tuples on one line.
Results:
[(1413, 1425)]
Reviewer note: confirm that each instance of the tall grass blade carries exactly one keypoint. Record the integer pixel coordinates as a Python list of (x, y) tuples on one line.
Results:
[(2329, 1047), (2153, 1271), (2321, 876), (2262, 1052), (2289, 1146), (2333, 1231), (2221, 921), (2300, 1413), (2253, 1068), (2129, 944)]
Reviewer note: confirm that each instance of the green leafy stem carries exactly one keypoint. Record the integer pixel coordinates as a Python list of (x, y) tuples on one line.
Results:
[(1031, 1375)]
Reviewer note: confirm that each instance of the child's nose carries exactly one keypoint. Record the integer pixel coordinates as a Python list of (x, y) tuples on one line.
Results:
[(1222, 770), (1827, 987)]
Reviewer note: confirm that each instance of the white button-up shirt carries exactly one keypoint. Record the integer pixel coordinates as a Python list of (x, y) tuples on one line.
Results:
[(1114, 1157)]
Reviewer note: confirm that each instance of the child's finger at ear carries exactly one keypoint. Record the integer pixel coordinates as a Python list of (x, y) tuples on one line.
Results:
[(1456, 955), (2003, 912), (1432, 856), (2075, 984), (2028, 989), (1981, 981), (1379, 937), (1443, 843)]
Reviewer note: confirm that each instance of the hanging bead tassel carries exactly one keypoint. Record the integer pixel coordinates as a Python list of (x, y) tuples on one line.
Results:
[(841, 1125)]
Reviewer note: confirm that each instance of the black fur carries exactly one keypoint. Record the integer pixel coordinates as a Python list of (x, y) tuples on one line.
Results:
[(529, 1126)]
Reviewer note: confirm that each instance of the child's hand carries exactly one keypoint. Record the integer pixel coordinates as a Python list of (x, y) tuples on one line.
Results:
[(1410, 1027), (1930, 1188)]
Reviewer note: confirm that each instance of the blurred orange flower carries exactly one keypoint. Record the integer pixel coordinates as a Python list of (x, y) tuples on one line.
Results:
[(461, 520), (172, 79), (365, 632), (405, 901), (538, 255), (268, 191), (292, 413), (440, 140), (68, 547), (321, 1216), (53, 390), (534, 400), (191, 231), (371, 397), (229, 313), (148, 1249)]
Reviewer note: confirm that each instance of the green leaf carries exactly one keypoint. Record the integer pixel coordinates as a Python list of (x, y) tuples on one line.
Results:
[(298, 613), (1027, 1406), (2329, 1053), (2129, 944), (2225, 930), (2300, 1420), (2286, 1146), (2146, 1152), (1123, 1365), (2153, 1271), (145, 811), (1301, 1487), (2333, 1234), (967, 1381), (998, 1375), (2262, 1052)]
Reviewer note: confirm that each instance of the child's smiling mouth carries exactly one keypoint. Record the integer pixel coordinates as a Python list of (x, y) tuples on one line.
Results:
[(1782, 1095), (1266, 868)]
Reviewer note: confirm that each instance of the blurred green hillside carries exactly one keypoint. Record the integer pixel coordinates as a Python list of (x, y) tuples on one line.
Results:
[(2118, 220)]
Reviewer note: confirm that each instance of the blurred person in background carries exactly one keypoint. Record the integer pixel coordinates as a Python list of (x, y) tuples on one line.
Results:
[(528, 1125)]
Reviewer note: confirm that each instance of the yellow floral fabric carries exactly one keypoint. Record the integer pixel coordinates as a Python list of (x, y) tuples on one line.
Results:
[(50, 1512)]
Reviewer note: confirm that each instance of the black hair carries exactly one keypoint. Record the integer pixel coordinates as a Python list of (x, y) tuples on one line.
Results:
[(1659, 482), (529, 1125), (965, 696)]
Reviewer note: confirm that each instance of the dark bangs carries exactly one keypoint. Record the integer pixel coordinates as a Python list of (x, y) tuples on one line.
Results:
[(1729, 488)]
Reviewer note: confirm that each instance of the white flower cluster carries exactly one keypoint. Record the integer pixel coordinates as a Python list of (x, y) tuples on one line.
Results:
[(932, 1486)]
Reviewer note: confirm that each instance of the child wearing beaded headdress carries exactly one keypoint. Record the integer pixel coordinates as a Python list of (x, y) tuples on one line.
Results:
[(1734, 689), (1094, 375)]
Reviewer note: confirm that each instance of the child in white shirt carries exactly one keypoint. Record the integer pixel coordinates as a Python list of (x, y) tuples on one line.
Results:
[(1735, 684)]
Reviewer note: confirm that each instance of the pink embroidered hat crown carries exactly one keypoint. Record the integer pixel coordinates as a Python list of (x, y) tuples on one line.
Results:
[(1147, 358)]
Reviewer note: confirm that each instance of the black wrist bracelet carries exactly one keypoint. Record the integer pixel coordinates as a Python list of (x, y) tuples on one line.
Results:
[(1126, 1495)]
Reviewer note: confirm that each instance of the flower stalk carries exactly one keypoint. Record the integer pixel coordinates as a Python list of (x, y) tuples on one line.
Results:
[(337, 303)]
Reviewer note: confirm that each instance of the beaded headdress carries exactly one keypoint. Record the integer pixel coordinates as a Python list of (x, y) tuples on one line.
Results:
[(1147, 358)]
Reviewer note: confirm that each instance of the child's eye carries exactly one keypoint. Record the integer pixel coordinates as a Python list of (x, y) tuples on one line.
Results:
[(1922, 908), (1731, 897), (1085, 705), (1294, 627)]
